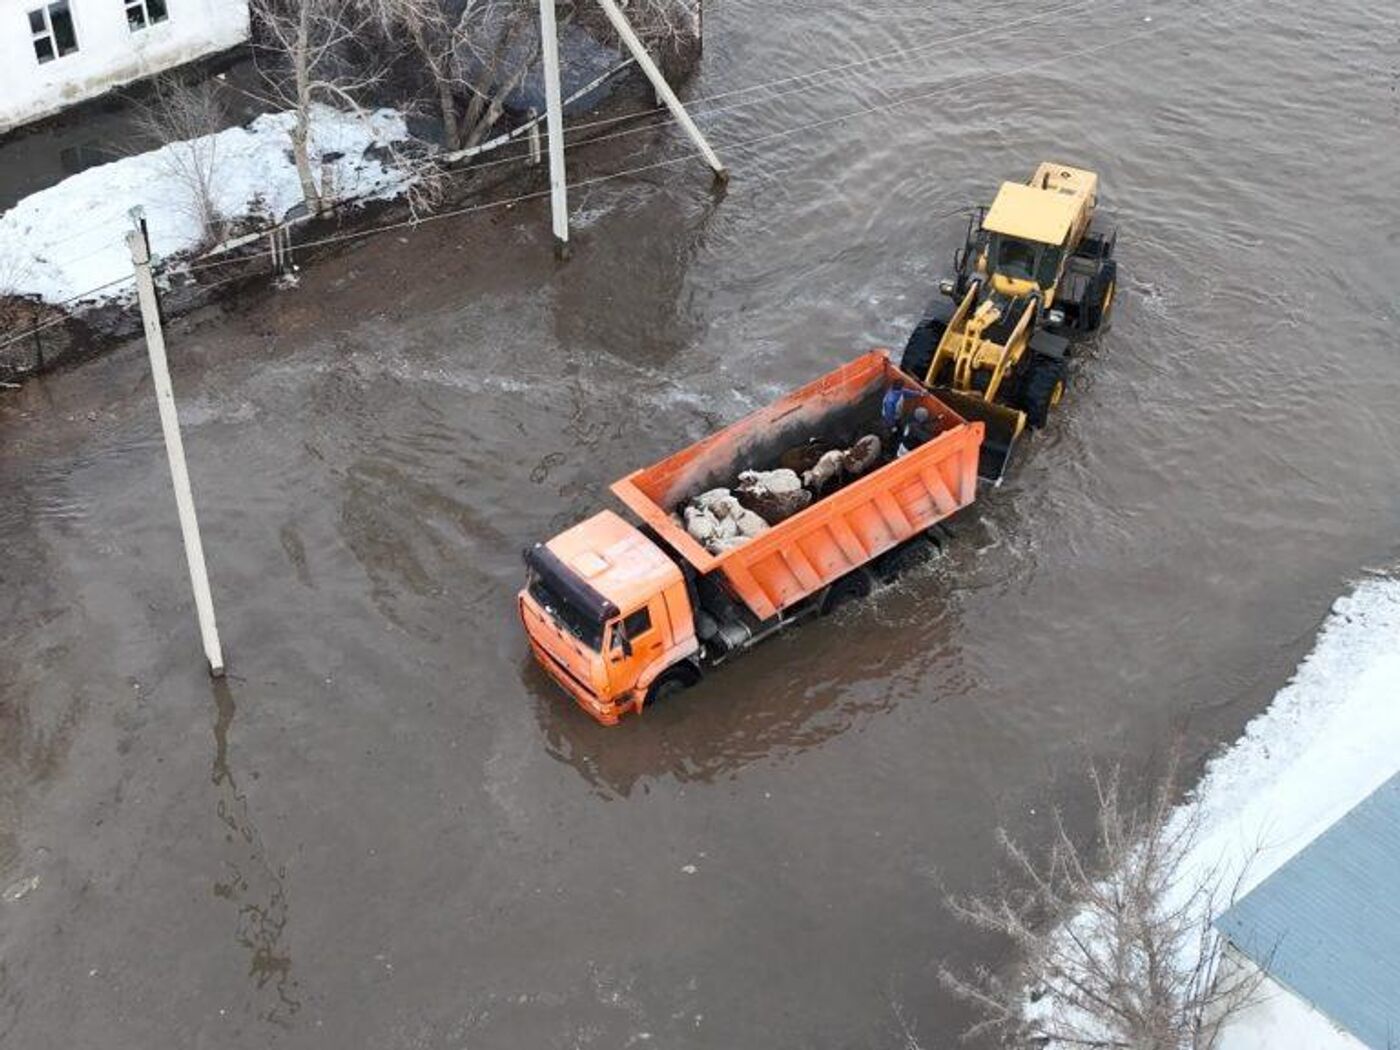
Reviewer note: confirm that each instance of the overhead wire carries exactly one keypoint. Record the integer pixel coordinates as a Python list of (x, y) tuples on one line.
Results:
[(803, 81), (534, 195), (744, 144), (736, 145)]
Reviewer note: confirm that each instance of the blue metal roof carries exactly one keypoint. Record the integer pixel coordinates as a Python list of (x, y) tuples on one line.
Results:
[(1327, 923)]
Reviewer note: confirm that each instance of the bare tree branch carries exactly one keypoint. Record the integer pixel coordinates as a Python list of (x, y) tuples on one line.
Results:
[(182, 119), (1116, 945)]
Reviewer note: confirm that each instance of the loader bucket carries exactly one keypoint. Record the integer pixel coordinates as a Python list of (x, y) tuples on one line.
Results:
[(1003, 427)]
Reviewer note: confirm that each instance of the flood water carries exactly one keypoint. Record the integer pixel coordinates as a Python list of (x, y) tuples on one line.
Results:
[(387, 829)]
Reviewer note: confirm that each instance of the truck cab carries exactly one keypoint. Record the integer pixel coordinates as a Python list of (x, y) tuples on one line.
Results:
[(607, 613)]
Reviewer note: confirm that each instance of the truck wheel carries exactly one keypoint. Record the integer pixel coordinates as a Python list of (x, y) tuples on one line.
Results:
[(849, 588), (1044, 385), (919, 351), (1099, 308), (674, 681)]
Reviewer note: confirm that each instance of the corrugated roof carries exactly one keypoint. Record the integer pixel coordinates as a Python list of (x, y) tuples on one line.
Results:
[(1327, 923)]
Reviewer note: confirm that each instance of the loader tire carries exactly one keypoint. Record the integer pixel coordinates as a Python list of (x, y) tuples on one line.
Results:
[(919, 351), (1044, 384), (1099, 308)]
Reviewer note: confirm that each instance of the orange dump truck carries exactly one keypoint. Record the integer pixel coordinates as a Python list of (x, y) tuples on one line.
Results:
[(621, 615)]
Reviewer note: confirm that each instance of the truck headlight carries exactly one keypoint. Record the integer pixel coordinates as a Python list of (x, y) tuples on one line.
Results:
[(1055, 317), (946, 286)]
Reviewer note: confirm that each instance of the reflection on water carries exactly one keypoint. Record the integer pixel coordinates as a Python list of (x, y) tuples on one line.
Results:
[(251, 882), (789, 695)]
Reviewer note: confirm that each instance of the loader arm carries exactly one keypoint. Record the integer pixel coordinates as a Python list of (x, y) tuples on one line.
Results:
[(1011, 352), (952, 335)]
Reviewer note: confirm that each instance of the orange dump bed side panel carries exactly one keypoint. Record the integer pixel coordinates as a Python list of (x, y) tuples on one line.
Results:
[(810, 550)]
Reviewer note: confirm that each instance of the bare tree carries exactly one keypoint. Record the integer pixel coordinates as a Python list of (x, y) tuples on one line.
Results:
[(1118, 953), (433, 33), (183, 119), (482, 51), (308, 43)]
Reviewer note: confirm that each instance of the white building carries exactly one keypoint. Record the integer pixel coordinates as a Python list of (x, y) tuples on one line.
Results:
[(54, 53)]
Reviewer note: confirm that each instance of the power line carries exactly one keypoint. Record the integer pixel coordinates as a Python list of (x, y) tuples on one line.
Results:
[(642, 169), (804, 82), (1082, 6), (896, 54), (744, 144)]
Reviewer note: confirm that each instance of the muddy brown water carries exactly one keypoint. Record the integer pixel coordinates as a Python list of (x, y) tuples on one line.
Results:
[(386, 829)]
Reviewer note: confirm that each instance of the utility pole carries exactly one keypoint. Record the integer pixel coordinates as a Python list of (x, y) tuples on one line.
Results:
[(554, 114), (659, 85), (175, 449)]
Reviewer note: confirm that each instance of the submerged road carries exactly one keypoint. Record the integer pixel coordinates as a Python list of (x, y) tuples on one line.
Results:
[(386, 829)]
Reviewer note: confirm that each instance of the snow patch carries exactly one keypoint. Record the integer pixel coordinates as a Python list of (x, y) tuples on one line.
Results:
[(1328, 739), (61, 242)]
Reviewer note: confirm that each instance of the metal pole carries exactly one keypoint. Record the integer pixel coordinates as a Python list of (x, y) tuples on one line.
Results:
[(663, 89), (554, 112), (175, 451)]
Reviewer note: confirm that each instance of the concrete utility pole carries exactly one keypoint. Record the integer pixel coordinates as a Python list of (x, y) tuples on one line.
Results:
[(554, 110), (663, 89), (554, 114), (175, 450)]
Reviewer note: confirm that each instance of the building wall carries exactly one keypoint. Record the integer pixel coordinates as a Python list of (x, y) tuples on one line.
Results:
[(109, 53)]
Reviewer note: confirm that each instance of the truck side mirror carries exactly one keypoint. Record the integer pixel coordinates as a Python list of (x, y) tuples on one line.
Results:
[(620, 639)]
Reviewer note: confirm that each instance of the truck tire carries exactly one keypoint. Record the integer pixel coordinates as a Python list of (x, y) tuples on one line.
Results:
[(918, 352), (1041, 391), (676, 680), (851, 587), (1099, 307)]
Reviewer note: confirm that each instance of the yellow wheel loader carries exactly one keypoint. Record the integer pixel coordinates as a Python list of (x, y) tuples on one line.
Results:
[(1037, 267)]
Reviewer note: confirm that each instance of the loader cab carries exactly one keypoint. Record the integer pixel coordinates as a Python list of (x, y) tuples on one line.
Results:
[(1030, 229), (1022, 261), (606, 613)]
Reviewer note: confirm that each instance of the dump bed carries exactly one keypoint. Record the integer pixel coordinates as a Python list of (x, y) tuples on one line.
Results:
[(838, 533)]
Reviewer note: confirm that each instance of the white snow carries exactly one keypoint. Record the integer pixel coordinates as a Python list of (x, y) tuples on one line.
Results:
[(1276, 1019), (1328, 739), (61, 242)]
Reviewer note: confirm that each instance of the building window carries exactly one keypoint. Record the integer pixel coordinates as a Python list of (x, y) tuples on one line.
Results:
[(143, 13), (52, 29)]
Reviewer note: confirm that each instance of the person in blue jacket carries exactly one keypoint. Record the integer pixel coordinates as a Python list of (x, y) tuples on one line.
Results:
[(892, 407)]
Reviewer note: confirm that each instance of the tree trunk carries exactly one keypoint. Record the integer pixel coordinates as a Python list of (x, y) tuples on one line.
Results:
[(299, 135), (493, 112), (451, 133), (301, 131)]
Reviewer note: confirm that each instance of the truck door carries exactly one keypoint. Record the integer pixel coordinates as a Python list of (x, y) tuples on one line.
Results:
[(643, 636)]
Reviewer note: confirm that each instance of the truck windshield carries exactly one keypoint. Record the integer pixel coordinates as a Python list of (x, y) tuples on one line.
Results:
[(576, 621)]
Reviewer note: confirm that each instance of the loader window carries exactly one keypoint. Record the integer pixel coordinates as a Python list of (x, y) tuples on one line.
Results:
[(1014, 258)]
